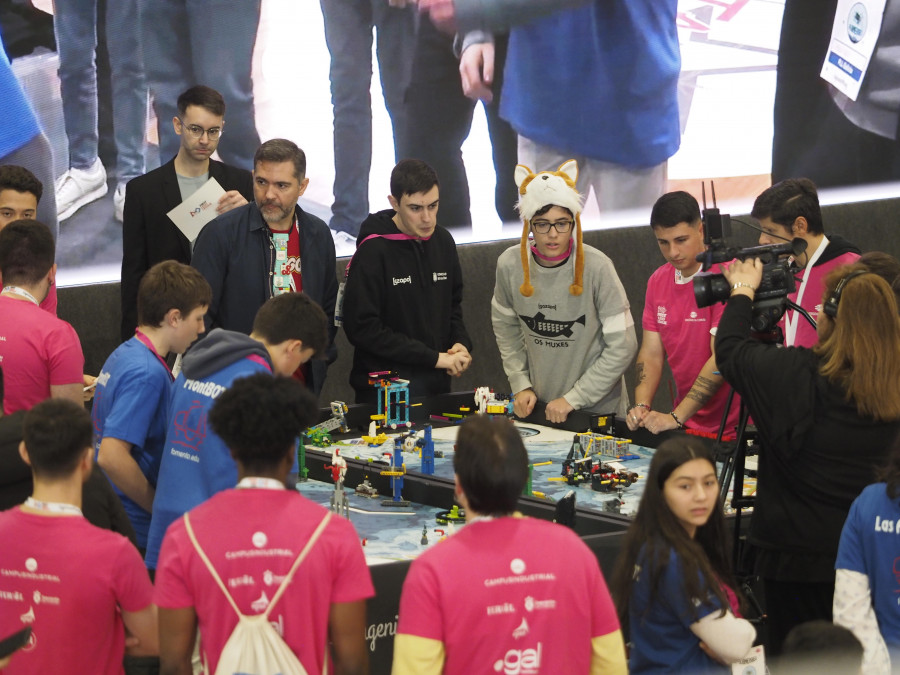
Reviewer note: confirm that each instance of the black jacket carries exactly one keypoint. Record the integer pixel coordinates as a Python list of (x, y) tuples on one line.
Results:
[(402, 306), (149, 236), (235, 254), (817, 453)]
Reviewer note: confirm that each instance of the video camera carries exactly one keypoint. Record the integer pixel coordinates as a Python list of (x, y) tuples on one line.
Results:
[(770, 299)]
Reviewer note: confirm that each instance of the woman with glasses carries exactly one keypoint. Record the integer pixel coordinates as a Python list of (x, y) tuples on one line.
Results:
[(562, 321)]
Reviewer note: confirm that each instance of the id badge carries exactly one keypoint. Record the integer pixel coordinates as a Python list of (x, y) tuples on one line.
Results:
[(339, 305), (754, 663), (854, 36)]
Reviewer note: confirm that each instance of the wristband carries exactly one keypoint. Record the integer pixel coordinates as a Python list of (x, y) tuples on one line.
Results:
[(677, 421), (742, 284)]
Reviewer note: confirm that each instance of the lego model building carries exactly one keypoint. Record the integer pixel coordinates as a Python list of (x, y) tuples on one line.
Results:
[(393, 399)]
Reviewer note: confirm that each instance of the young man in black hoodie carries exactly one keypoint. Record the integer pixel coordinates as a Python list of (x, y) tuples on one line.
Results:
[(789, 210), (402, 303), (288, 330)]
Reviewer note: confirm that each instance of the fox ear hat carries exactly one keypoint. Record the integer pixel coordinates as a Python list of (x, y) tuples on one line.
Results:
[(537, 190)]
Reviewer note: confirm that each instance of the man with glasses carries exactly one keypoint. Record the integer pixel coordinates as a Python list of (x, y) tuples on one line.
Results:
[(561, 318), (149, 236)]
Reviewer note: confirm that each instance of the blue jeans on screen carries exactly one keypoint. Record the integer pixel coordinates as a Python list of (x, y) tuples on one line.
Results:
[(209, 42), (75, 24), (348, 33)]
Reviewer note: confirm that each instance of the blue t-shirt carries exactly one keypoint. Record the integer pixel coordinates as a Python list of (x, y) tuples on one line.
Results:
[(130, 404), (661, 630), (599, 81), (196, 463), (870, 545)]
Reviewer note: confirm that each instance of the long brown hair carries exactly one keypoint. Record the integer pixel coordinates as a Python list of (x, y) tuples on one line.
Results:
[(655, 532), (859, 348)]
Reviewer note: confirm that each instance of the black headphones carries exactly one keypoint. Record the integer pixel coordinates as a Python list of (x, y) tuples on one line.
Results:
[(831, 304)]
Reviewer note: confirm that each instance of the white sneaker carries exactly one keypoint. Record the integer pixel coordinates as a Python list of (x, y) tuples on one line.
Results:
[(119, 202), (77, 187), (344, 243)]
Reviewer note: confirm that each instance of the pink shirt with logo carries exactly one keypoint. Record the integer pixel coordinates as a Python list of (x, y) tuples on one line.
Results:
[(510, 595), (37, 350), (67, 579), (686, 330), (806, 335), (266, 529)]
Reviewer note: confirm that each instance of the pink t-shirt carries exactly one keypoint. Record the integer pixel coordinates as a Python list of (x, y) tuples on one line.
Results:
[(252, 537), (49, 303), (503, 593), (806, 335), (67, 579), (37, 350), (686, 330)]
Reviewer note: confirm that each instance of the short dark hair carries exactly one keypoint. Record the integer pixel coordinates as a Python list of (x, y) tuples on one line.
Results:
[(282, 150), (56, 433), (20, 179), (170, 285), (27, 252), (292, 316), (674, 208), (788, 200), (411, 176), (541, 211), (491, 463), (260, 417), (820, 647), (205, 97)]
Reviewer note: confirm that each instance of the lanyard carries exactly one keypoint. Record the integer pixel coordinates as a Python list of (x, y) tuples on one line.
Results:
[(260, 483), (392, 237), (16, 290), (149, 345), (53, 507), (283, 283), (791, 317)]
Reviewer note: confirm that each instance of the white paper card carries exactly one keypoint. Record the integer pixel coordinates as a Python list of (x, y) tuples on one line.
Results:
[(754, 663), (197, 210), (854, 36)]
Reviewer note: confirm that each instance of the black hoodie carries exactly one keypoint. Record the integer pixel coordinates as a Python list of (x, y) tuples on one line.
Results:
[(402, 306)]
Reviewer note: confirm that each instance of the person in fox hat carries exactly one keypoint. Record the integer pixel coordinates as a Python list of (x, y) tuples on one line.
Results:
[(561, 318)]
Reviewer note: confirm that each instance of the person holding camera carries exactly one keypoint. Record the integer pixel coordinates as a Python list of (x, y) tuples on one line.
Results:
[(825, 417), (675, 328)]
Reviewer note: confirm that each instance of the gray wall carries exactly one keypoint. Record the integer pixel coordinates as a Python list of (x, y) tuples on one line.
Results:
[(94, 309)]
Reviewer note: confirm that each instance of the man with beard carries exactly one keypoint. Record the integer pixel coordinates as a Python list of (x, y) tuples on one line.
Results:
[(268, 247)]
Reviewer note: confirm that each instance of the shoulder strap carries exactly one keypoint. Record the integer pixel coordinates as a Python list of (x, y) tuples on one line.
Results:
[(284, 584), (205, 559), (290, 575)]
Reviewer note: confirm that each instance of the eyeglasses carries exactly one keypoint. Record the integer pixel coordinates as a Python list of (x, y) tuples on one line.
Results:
[(197, 131), (543, 226)]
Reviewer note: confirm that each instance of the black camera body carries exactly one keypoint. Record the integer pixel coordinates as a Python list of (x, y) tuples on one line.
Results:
[(770, 299)]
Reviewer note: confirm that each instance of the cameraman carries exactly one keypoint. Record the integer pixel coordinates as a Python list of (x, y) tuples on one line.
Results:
[(826, 417)]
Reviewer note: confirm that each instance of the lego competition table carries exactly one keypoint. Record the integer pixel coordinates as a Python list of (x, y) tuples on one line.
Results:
[(422, 513)]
